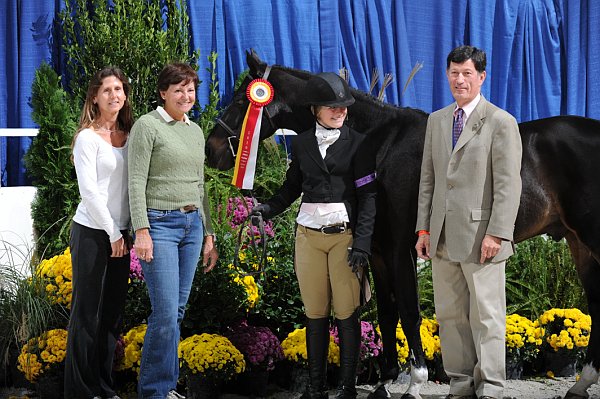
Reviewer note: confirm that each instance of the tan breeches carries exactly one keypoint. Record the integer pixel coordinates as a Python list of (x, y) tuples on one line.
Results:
[(323, 273)]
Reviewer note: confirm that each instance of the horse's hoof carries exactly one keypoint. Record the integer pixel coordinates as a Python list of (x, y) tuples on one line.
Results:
[(380, 393), (571, 395)]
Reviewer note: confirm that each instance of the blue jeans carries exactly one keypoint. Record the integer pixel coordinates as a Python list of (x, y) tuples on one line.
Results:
[(177, 238)]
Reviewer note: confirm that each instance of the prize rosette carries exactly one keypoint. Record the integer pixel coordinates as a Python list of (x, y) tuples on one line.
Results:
[(259, 92)]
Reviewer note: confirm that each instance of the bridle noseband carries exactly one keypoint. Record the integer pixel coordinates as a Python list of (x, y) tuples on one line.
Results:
[(231, 134)]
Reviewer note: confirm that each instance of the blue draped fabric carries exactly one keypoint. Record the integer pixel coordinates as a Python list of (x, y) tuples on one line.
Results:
[(25, 37), (543, 55)]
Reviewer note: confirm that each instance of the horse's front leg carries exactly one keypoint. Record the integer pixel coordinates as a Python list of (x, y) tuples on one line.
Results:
[(406, 287), (387, 317)]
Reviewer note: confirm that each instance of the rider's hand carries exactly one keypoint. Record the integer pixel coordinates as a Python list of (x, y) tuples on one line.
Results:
[(259, 210), (357, 259)]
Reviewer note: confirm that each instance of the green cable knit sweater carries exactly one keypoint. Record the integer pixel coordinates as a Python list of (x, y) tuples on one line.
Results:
[(166, 168)]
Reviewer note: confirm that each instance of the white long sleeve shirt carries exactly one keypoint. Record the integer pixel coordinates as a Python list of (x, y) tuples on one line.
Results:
[(102, 178)]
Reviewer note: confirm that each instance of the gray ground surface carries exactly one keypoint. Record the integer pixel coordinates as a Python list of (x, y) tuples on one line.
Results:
[(542, 388)]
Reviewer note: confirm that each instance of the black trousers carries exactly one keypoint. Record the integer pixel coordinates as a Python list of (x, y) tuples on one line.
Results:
[(98, 301)]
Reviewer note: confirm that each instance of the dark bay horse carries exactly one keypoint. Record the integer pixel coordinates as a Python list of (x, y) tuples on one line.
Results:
[(560, 198)]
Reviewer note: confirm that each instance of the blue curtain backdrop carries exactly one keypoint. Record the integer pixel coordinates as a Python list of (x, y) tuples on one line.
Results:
[(543, 55)]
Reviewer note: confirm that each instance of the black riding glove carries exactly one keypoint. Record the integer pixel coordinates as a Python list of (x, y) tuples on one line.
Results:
[(357, 258), (260, 210)]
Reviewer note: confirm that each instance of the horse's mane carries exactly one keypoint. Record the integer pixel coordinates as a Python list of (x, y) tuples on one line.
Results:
[(359, 95), (369, 98)]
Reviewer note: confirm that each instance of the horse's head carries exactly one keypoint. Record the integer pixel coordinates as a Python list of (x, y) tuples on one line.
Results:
[(285, 111)]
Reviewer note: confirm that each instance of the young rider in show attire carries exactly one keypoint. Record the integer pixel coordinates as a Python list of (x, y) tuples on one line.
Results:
[(333, 168)]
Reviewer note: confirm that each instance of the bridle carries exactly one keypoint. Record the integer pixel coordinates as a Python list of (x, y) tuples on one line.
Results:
[(231, 134)]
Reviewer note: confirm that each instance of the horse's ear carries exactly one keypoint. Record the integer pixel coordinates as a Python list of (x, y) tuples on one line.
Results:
[(257, 67)]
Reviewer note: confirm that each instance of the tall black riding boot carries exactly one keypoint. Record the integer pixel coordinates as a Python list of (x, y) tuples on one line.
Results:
[(349, 333), (317, 346)]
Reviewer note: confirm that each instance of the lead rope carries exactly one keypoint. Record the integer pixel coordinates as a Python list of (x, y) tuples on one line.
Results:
[(259, 249)]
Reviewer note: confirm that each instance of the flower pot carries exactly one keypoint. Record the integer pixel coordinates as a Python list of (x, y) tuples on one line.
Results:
[(299, 379), (254, 382), (200, 387), (50, 384), (249, 383), (561, 364), (514, 368)]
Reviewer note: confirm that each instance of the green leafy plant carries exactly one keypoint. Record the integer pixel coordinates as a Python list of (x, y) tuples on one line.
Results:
[(215, 301), (210, 112), (48, 162), (139, 37), (425, 288), (541, 275)]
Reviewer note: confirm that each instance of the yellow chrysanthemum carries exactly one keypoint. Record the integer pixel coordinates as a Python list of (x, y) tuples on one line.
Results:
[(133, 342), (523, 337), (566, 329), (41, 352), (57, 272), (212, 355)]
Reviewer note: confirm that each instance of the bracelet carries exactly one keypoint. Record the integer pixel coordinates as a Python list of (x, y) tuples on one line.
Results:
[(422, 233)]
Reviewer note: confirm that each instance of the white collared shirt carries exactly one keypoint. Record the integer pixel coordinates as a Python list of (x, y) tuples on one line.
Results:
[(325, 138), (168, 118), (468, 108)]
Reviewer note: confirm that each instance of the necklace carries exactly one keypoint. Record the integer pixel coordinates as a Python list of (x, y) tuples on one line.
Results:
[(104, 129)]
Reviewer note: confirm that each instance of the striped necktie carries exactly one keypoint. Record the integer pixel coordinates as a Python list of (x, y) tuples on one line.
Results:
[(458, 125)]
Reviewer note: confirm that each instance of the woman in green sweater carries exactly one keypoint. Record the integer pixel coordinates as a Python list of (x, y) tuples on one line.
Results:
[(170, 216)]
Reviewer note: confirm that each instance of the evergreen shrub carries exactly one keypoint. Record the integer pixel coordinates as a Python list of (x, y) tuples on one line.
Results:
[(48, 162)]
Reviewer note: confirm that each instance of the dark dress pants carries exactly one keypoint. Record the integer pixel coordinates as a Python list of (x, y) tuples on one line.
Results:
[(98, 301)]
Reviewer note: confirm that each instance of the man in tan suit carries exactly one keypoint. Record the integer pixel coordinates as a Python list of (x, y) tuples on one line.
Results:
[(468, 200)]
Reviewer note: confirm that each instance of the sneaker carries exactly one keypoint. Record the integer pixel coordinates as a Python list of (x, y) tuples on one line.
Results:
[(173, 394)]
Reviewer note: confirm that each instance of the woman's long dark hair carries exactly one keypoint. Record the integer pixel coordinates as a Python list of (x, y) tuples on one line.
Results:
[(91, 112)]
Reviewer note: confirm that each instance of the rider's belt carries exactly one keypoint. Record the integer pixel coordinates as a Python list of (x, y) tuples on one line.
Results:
[(188, 208), (332, 229)]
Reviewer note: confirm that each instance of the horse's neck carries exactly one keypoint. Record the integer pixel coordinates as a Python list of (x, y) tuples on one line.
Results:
[(367, 114)]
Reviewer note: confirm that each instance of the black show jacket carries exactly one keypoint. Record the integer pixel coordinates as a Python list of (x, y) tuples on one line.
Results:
[(333, 179)]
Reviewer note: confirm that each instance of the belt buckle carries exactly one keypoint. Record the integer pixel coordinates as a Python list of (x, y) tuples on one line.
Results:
[(341, 228), (188, 208)]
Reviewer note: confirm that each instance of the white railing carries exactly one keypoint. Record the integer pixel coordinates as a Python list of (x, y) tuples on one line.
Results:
[(16, 227)]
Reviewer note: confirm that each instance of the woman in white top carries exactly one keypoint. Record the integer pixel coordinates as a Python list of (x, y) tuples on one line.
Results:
[(99, 236)]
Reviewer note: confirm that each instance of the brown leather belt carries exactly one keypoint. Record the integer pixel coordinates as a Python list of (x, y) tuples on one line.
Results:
[(188, 208), (332, 229)]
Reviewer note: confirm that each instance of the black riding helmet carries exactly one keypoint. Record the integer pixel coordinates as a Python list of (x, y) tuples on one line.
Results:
[(329, 90)]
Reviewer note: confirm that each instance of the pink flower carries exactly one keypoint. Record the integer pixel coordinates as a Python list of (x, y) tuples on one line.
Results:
[(135, 268), (237, 213), (370, 345)]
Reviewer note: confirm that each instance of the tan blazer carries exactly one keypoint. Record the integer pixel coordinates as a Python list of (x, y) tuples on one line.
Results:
[(474, 189)]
